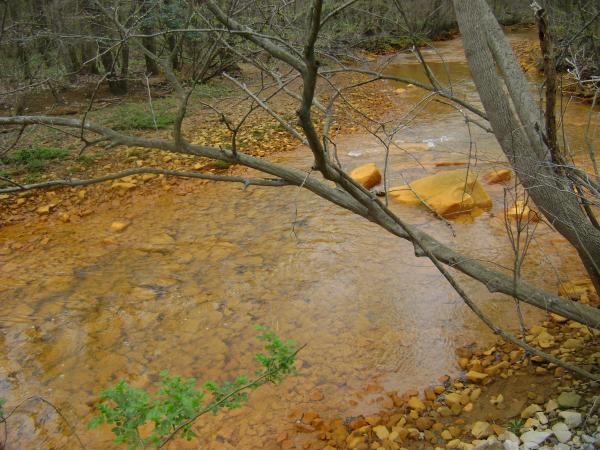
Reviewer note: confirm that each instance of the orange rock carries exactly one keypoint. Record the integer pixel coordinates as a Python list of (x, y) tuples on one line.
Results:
[(373, 420), (356, 442), (429, 394), (448, 193), (453, 399), (316, 395), (385, 402), (118, 226), (557, 318), (368, 175), (424, 423), (415, 403), (304, 428), (476, 377), (576, 288), (373, 388), (545, 340), (497, 429), (496, 368), (455, 431), (282, 437), (521, 211), (498, 176), (411, 393), (439, 390), (339, 433), (444, 379), (123, 185), (451, 163), (42, 210), (309, 416), (397, 400), (358, 423)]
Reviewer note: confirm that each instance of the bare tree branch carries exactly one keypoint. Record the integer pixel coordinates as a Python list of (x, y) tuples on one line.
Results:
[(143, 170)]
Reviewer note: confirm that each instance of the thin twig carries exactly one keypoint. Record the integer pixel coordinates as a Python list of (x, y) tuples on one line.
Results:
[(55, 408), (265, 376)]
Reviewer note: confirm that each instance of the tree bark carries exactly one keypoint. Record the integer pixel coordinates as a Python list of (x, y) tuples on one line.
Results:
[(547, 48), (518, 124)]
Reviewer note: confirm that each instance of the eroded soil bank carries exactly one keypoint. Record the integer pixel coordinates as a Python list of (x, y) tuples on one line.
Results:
[(181, 285)]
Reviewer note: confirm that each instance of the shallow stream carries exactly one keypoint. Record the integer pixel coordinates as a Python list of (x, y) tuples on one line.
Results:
[(183, 287)]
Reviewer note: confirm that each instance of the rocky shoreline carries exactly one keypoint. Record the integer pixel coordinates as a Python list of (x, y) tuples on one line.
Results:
[(505, 400)]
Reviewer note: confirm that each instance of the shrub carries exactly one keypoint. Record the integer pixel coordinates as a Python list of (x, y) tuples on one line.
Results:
[(35, 158), (138, 116), (177, 402)]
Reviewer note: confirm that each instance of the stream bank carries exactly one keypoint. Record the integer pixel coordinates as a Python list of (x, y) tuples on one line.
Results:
[(504, 400), (85, 303)]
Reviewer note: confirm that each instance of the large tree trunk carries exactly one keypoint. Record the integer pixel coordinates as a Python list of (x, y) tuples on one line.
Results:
[(518, 124), (88, 58)]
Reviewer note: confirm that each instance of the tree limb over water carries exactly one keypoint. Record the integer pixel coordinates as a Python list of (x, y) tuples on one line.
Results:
[(355, 199), (516, 121)]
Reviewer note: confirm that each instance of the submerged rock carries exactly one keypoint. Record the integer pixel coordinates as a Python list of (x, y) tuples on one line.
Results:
[(521, 211), (450, 163), (118, 226), (368, 175), (43, 210), (448, 193), (498, 176), (574, 289)]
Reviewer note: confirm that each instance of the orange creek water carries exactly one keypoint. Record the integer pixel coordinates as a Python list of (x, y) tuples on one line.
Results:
[(184, 285)]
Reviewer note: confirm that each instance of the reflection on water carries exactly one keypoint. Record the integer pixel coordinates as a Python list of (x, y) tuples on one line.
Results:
[(184, 285)]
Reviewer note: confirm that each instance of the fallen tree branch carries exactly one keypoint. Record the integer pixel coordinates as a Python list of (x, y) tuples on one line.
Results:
[(143, 170), (494, 281), (375, 205)]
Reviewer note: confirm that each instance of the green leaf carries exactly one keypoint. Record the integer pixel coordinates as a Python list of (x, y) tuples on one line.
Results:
[(177, 401)]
